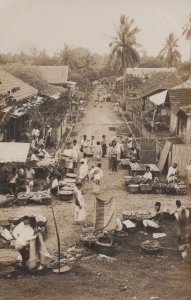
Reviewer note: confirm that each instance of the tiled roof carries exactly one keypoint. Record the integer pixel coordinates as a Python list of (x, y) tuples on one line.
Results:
[(180, 96), (142, 72), (157, 82), (54, 74), (9, 82)]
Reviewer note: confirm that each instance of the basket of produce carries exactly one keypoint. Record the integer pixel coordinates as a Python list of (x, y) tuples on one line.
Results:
[(182, 189), (7, 202), (128, 179), (65, 195), (120, 236), (105, 245), (145, 188), (151, 246), (159, 186), (133, 188)]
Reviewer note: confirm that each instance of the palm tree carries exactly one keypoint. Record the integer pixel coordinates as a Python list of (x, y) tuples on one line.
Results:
[(187, 32), (170, 53), (123, 46)]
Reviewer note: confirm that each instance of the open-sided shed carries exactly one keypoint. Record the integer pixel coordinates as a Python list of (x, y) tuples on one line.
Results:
[(14, 152)]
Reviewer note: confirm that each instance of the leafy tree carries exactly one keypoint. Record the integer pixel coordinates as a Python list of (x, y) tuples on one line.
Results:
[(170, 53), (186, 32)]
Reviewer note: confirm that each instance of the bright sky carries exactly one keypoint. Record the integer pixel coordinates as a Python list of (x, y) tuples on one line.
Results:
[(88, 23)]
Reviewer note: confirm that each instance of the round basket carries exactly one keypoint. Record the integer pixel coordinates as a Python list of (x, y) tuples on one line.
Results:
[(182, 190), (106, 246), (133, 188), (128, 179), (151, 247), (145, 188)]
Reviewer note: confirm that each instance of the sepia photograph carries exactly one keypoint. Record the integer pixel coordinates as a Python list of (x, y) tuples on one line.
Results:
[(95, 149)]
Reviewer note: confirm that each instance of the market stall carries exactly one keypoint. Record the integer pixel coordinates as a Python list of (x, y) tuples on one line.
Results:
[(11, 154)]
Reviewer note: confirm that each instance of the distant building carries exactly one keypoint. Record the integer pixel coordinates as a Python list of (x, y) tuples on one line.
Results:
[(14, 94), (55, 75)]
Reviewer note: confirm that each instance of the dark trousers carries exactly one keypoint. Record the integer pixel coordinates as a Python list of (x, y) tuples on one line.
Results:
[(114, 163)]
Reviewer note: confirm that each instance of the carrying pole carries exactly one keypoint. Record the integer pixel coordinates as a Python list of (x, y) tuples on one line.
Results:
[(58, 239)]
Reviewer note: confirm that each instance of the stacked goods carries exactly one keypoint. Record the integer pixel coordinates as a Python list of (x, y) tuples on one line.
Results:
[(40, 197), (176, 188), (125, 163)]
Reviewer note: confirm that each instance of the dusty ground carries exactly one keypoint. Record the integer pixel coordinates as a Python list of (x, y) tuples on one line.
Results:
[(134, 275)]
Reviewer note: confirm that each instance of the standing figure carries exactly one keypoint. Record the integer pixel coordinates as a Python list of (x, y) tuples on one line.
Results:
[(48, 136), (13, 182), (83, 171), (98, 151), (104, 146), (113, 156), (30, 173), (80, 213), (93, 144), (96, 174), (36, 133), (76, 153), (182, 216)]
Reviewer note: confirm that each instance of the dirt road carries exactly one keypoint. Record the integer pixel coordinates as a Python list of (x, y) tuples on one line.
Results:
[(133, 275)]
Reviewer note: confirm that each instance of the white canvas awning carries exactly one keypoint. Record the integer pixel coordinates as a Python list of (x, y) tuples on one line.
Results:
[(159, 98), (14, 152)]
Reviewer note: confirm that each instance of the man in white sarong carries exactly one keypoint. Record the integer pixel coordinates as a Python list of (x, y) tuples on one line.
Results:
[(80, 213)]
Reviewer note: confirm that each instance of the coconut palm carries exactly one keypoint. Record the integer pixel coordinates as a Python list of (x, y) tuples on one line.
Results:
[(170, 53), (123, 46), (187, 32)]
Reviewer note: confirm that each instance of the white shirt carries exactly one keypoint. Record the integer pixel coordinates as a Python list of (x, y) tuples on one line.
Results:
[(148, 175), (171, 171), (83, 171), (96, 173), (55, 183), (35, 132)]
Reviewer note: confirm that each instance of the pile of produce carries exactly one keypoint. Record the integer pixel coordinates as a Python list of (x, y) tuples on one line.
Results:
[(150, 246), (40, 197), (159, 186), (141, 215)]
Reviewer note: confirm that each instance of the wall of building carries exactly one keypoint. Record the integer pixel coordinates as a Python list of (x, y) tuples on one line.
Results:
[(173, 122)]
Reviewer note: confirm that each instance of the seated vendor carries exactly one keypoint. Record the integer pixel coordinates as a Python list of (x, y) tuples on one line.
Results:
[(172, 173), (42, 153), (34, 156), (155, 218), (148, 175), (30, 244)]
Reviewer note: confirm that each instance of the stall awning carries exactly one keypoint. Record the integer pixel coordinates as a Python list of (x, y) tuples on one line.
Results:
[(159, 98), (14, 152)]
